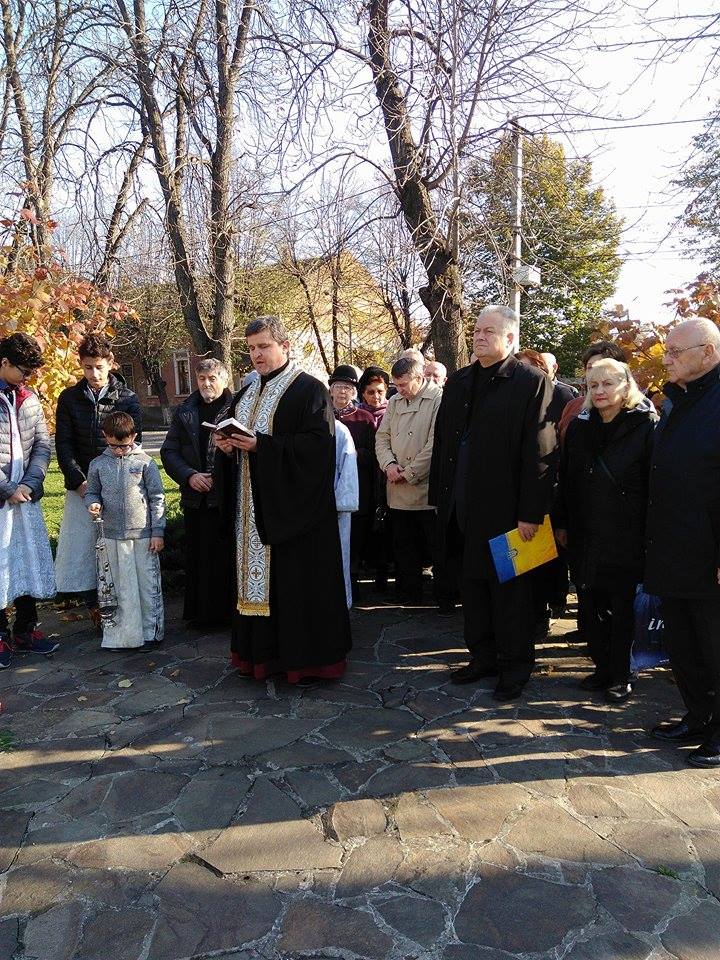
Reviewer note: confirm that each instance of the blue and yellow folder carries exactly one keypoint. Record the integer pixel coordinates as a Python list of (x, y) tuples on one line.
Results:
[(512, 556)]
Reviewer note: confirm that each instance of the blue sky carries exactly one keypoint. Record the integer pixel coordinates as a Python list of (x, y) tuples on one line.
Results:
[(637, 166)]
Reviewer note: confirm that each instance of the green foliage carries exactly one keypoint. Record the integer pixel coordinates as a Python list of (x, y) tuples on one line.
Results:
[(570, 232), (155, 327), (364, 357), (172, 559), (6, 741), (702, 180), (321, 297)]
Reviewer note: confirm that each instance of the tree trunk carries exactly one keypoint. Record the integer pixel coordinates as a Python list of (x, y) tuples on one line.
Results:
[(443, 299), (335, 280), (35, 194), (294, 269), (169, 176), (230, 55), (151, 369), (443, 294), (407, 316)]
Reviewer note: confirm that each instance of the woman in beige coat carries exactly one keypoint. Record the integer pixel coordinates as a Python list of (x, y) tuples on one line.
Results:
[(403, 445)]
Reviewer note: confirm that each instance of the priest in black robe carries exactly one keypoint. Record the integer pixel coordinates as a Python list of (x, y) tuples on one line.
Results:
[(291, 615)]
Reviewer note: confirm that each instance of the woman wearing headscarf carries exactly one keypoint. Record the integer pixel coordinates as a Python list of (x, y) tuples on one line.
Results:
[(372, 390), (377, 545)]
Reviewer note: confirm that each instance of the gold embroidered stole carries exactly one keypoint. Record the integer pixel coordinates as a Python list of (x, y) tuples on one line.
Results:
[(256, 409)]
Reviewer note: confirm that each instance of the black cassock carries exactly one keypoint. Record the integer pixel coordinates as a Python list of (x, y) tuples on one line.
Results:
[(292, 480)]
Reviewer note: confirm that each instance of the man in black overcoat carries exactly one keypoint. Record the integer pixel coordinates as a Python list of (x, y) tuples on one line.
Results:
[(492, 470), (683, 533), (188, 455)]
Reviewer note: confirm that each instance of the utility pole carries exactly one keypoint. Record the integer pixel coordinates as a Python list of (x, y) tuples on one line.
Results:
[(517, 211)]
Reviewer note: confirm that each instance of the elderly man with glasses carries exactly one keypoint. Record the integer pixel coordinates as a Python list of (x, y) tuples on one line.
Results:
[(683, 533)]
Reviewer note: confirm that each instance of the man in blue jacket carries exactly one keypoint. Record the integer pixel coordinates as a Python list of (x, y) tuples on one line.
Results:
[(683, 533)]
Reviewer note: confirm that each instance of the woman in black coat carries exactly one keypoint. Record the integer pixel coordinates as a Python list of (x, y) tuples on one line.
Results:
[(600, 515)]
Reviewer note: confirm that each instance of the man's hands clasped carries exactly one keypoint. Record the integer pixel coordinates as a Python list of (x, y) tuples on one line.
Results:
[(201, 482)]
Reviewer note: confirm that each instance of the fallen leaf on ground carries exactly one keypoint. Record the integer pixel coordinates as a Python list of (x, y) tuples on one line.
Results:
[(125, 683), (81, 699)]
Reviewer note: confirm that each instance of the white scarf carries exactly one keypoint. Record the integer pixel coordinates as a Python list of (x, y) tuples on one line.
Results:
[(17, 464), (256, 409)]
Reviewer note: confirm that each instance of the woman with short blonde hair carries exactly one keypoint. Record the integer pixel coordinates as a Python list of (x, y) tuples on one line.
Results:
[(609, 370), (600, 515)]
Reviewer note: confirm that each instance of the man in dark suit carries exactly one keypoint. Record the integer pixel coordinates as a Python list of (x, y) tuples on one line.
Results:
[(563, 393), (683, 533), (492, 470)]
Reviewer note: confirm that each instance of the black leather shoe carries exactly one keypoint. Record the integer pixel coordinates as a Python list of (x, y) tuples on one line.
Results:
[(595, 681), (707, 754), (619, 692), (445, 610), (680, 732), (507, 691), (470, 673)]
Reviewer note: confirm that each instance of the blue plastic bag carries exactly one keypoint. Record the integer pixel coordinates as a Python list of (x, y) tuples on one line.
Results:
[(647, 649)]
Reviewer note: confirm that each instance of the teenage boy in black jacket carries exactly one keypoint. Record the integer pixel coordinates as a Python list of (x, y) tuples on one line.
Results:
[(81, 410)]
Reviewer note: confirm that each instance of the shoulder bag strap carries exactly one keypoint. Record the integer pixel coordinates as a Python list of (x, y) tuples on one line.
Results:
[(615, 482)]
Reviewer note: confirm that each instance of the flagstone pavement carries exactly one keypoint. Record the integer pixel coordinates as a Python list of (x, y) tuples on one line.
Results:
[(156, 806)]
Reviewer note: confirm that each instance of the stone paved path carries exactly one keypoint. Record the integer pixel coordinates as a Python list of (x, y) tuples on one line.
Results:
[(157, 806)]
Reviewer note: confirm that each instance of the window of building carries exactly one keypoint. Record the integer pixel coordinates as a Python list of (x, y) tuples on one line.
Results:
[(181, 362), (128, 373)]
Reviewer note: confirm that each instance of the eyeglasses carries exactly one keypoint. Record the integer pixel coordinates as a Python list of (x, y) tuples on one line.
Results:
[(25, 371), (675, 352), (120, 446)]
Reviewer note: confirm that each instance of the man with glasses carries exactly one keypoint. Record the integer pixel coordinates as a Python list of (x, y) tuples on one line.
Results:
[(124, 487), (26, 566), (683, 533)]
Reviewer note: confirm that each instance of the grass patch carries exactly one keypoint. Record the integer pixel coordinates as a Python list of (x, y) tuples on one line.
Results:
[(6, 741), (667, 872)]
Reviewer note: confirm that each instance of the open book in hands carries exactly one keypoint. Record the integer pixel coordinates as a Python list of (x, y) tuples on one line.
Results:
[(230, 428)]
